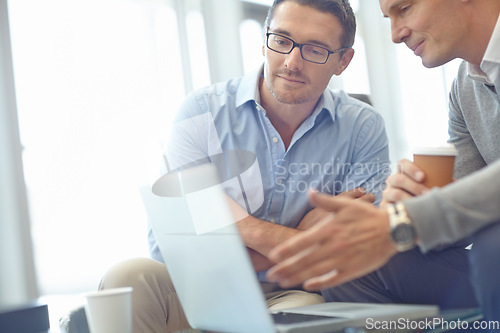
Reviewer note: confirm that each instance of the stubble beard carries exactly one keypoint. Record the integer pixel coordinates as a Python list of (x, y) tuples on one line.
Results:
[(286, 98)]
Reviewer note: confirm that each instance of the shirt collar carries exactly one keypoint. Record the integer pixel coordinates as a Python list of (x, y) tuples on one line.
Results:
[(488, 72), (249, 91), (327, 102)]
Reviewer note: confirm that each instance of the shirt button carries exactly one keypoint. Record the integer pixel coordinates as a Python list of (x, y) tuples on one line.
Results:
[(275, 140)]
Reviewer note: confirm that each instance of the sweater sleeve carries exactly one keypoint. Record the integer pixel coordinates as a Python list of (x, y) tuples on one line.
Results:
[(456, 211)]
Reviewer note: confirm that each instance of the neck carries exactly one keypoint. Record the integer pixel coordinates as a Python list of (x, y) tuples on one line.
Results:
[(286, 118), (483, 21)]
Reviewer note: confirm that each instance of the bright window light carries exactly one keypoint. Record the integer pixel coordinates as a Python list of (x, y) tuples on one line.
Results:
[(97, 83)]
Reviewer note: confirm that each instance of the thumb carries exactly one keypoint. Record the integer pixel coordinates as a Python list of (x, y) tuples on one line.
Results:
[(327, 202)]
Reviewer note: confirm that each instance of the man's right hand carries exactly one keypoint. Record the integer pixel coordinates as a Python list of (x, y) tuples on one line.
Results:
[(262, 236), (317, 214), (404, 184)]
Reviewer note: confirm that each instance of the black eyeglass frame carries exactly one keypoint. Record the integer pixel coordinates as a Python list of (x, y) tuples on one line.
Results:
[(295, 44)]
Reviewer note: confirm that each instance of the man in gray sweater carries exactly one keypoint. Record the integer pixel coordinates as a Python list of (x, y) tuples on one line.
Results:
[(362, 244)]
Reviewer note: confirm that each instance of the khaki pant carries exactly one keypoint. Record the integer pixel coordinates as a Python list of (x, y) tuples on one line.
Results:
[(155, 305)]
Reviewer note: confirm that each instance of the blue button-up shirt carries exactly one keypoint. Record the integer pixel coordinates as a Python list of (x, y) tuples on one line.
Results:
[(340, 146)]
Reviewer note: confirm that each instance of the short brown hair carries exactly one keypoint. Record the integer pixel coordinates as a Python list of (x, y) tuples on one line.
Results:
[(339, 8)]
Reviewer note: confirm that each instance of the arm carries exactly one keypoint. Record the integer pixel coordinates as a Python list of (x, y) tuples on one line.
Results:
[(261, 236), (456, 211), (459, 209), (368, 167), (343, 246), (355, 241)]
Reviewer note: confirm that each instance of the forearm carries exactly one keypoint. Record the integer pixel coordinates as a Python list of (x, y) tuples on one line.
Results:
[(458, 210), (263, 236)]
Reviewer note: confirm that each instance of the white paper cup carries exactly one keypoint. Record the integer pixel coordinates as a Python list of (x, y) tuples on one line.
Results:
[(437, 163), (110, 310)]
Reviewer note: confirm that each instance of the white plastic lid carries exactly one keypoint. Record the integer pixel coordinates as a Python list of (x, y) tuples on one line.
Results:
[(447, 150)]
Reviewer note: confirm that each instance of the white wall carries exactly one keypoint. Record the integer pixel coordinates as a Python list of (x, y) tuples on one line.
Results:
[(18, 281), (98, 83)]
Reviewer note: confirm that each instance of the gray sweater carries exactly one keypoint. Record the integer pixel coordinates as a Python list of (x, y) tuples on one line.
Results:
[(446, 215)]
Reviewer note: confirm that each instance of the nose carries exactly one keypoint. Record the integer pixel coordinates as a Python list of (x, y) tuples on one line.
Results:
[(294, 59), (399, 32)]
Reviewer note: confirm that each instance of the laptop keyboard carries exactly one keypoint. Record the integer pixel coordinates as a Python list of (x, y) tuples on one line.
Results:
[(292, 318)]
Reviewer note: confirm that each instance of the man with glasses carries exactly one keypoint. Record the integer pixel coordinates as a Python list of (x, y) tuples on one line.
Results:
[(310, 52), (302, 134), (439, 221)]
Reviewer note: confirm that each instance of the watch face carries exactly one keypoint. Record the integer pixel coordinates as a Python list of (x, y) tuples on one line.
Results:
[(403, 236), (403, 233)]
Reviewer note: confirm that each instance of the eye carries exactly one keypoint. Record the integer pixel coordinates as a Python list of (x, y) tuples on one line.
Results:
[(281, 41), (404, 9), (315, 50)]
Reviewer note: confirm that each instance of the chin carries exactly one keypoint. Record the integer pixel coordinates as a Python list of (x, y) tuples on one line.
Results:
[(434, 62)]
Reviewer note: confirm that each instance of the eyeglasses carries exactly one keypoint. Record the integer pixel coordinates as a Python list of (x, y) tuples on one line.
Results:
[(309, 52)]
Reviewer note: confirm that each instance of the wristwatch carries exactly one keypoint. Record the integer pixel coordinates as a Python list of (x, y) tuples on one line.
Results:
[(403, 234)]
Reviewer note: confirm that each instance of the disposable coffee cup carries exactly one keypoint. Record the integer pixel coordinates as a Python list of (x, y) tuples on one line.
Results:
[(437, 163), (110, 310)]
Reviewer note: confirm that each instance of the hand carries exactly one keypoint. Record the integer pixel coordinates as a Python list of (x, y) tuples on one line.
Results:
[(357, 193), (406, 183), (317, 214), (259, 262), (349, 243)]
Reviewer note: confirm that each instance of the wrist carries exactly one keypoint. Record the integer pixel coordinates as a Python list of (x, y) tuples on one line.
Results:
[(402, 231)]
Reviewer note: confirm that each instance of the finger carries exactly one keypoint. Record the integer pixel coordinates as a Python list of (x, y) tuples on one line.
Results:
[(354, 193), (352, 265), (289, 274), (384, 202), (297, 268), (324, 281), (315, 272), (313, 261), (302, 241), (329, 280), (316, 260), (395, 195), (327, 202), (325, 270), (368, 197), (401, 182), (410, 169)]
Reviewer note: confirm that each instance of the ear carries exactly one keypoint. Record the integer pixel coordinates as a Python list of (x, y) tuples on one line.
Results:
[(345, 61)]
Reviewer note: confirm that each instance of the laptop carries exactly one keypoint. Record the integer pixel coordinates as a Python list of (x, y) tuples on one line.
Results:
[(212, 272)]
